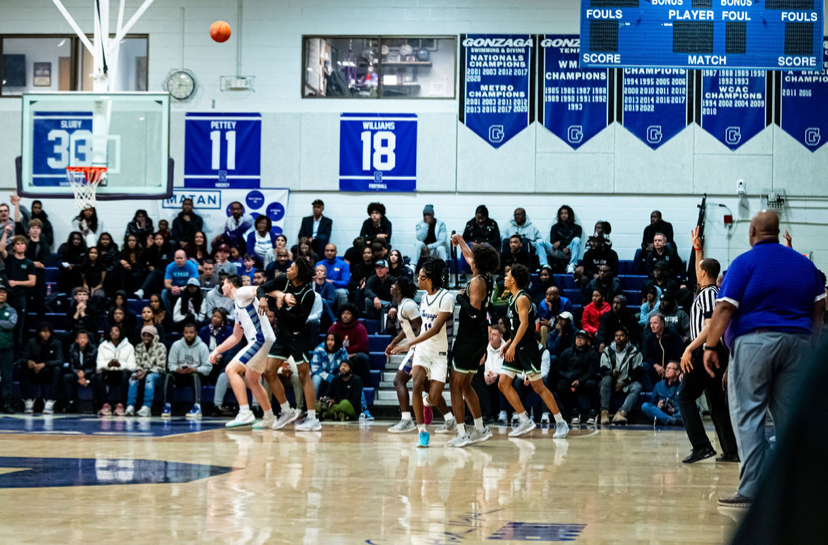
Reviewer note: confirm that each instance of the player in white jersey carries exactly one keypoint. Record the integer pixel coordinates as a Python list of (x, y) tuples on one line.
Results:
[(431, 355), (252, 361)]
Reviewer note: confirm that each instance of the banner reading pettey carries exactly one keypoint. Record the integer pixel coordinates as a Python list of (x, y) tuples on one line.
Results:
[(733, 105), (655, 103), (804, 99), (498, 88), (574, 99)]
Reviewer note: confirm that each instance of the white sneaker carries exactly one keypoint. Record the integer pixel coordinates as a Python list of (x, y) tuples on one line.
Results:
[(265, 423), (449, 426), (144, 411), (130, 411), (29, 406), (49, 407), (576, 420), (502, 418), (561, 430), (403, 426), (460, 441), (285, 418), (545, 419), (591, 420), (139, 294), (480, 436), (310, 424), (570, 269), (242, 419), (515, 420), (523, 428)]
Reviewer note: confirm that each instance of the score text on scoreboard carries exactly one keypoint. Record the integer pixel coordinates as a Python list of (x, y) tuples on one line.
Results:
[(758, 34)]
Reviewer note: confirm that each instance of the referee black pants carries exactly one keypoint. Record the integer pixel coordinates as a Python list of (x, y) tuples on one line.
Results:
[(696, 383)]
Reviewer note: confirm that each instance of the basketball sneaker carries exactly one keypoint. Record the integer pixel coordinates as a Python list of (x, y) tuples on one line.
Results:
[(242, 419), (545, 421), (49, 407), (576, 420), (561, 430), (285, 418), (460, 441), (167, 411), (403, 426), (119, 410), (310, 424), (194, 413), (366, 416), (266, 422), (449, 426), (502, 418), (130, 411), (422, 441), (106, 410), (523, 428), (480, 436), (144, 411)]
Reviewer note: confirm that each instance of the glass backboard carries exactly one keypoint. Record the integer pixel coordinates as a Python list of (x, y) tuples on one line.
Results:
[(128, 133)]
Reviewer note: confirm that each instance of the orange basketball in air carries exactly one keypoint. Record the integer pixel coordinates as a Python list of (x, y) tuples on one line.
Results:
[(220, 31)]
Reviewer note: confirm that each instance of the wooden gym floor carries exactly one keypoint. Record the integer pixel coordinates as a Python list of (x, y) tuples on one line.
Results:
[(88, 480)]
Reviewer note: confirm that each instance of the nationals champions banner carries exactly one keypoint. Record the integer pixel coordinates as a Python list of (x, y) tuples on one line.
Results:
[(575, 106), (498, 85), (213, 205), (733, 105), (655, 103), (805, 104)]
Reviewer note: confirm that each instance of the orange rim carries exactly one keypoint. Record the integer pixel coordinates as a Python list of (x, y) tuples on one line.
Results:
[(93, 175)]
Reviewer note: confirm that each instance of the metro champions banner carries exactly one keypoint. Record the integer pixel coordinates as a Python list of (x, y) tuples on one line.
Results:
[(575, 106), (498, 85), (733, 105), (655, 103), (804, 100)]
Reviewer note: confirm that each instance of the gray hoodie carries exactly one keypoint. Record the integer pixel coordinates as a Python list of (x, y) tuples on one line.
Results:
[(627, 361), (194, 355), (215, 299), (527, 230)]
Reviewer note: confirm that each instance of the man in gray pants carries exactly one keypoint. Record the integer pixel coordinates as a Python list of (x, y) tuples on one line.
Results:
[(773, 300)]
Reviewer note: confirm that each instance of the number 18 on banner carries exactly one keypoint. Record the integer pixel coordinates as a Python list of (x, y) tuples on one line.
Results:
[(378, 152)]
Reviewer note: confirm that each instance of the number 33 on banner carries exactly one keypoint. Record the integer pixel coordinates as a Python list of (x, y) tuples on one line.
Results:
[(378, 152)]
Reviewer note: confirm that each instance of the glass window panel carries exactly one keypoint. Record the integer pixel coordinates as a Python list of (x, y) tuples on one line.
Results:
[(418, 67), (341, 67), (36, 64)]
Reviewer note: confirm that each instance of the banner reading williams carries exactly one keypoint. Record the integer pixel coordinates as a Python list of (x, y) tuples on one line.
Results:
[(498, 85), (733, 105), (804, 98), (575, 100)]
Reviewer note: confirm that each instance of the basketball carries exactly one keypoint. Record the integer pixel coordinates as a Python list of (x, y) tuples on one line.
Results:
[(220, 31)]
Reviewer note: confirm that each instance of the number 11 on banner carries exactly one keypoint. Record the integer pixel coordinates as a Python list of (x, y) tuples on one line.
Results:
[(378, 152)]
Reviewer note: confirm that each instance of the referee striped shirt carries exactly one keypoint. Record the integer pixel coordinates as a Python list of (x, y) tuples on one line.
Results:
[(702, 309)]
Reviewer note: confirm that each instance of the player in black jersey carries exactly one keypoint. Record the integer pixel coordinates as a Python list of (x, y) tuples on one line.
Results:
[(472, 339), (521, 354), (294, 301)]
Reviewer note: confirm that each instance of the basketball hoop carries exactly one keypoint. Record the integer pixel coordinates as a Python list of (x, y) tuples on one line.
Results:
[(84, 182)]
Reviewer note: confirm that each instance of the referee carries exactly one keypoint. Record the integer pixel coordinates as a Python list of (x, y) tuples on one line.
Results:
[(696, 381), (772, 299)]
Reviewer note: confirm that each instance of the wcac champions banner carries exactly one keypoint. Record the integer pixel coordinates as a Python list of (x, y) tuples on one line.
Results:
[(213, 205), (498, 85), (733, 105), (805, 104), (655, 103), (223, 150), (378, 152), (575, 106)]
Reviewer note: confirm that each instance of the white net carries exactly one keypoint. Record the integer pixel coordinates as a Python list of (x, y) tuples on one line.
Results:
[(84, 182)]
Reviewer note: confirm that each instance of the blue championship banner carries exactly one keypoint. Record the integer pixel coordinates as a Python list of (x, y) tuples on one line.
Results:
[(378, 152), (575, 106), (804, 98), (61, 139), (223, 150), (733, 105), (655, 103), (498, 85)]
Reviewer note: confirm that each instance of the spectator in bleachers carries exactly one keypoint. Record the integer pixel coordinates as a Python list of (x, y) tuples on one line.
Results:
[(576, 374), (561, 337), (120, 302), (304, 249), (41, 362), (661, 252), (81, 314), (353, 255), (261, 240), (235, 258), (380, 250), (650, 305), (603, 228), (591, 319), (177, 276), (278, 267), (360, 274), (664, 406), (565, 241), (316, 227), (20, 271), (150, 361), (549, 308), (237, 225), (259, 277), (657, 225), (147, 318), (117, 317), (344, 395), (188, 363), (325, 362), (661, 279), (38, 251), (619, 316), (158, 255), (8, 319), (355, 340), (223, 264), (481, 229), (215, 299), (378, 298), (22, 217), (109, 256), (141, 225), (516, 253), (115, 363), (207, 279), (71, 255), (281, 242), (600, 253), (326, 291), (658, 349), (79, 369), (197, 251), (164, 231), (132, 268), (159, 312), (186, 224), (86, 222), (396, 265), (621, 370), (213, 334), (377, 225), (337, 274), (538, 288), (605, 282), (493, 406), (248, 267), (432, 237), (674, 317), (190, 307), (521, 226), (6, 222)]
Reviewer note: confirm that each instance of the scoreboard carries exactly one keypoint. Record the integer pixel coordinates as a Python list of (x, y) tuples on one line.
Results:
[(720, 34)]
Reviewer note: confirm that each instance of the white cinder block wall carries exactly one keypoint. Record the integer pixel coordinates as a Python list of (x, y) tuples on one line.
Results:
[(614, 177)]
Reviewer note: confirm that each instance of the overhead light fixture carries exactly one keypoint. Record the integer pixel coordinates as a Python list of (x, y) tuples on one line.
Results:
[(62, 42)]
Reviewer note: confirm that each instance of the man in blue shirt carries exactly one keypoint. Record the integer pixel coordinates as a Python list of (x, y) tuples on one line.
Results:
[(338, 273), (773, 299), (176, 276), (664, 406)]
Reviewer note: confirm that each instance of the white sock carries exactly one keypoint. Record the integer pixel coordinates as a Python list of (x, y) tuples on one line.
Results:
[(448, 417), (478, 424), (244, 409), (523, 417), (461, 430), (558, 418), (421, 427), (268, 414), (405, 416), (312, 414), (285, 407)]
